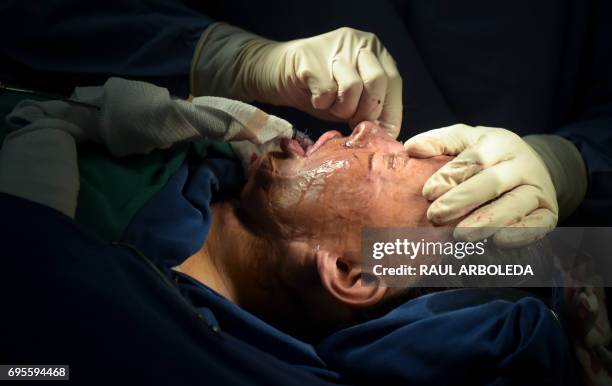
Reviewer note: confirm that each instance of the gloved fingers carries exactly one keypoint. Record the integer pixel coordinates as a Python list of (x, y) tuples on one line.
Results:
[(473, 192), (508, 209), (451, 174), (531, 228), (322, 86), (350, 87), (374, 88), (450, 140), (478, 156), (391, 115)]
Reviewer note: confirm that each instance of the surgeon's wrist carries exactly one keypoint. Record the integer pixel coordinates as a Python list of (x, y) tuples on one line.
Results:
[(223, 60), (259, 65), (566, 168)]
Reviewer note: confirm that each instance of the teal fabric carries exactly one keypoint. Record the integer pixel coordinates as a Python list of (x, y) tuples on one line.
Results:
[(113, 190)]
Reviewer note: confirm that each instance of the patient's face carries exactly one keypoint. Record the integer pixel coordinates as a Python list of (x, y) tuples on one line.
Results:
[(322, 196)]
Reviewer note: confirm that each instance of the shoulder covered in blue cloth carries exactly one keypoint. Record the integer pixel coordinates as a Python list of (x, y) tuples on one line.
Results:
[(479, 336)]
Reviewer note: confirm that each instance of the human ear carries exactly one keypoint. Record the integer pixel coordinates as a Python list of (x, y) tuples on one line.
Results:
[(344, 279)]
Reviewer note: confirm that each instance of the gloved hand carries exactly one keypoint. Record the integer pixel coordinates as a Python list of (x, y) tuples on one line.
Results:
[(137, 117), (343, 75), (515, 187)]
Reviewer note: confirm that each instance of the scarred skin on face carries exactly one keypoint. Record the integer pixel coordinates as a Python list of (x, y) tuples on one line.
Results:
[(288, 250), (336, 187)]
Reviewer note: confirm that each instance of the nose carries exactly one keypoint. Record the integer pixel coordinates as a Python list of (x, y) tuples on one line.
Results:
[(363, 133)]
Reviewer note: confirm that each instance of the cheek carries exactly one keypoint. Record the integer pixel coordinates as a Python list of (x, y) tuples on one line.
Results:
[(310, 197), (297, 263), (256, 208), (281, 208)]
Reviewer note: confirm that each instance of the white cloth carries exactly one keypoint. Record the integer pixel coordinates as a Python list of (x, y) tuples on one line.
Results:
[(137, 117), (38, 160)]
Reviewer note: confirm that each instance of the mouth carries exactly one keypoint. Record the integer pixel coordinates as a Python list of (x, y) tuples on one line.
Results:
[(290, 148), (321, 141), (293, 148), (296, 148)]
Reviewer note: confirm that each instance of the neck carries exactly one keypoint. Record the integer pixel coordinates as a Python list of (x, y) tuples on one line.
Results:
[(235, 263), (223, 259)]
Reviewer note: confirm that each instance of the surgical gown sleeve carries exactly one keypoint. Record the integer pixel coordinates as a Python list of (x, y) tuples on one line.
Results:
[(591, 131), (90, 41)]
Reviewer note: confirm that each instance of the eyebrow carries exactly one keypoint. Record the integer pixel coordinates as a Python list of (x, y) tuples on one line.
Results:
[(396, 161)]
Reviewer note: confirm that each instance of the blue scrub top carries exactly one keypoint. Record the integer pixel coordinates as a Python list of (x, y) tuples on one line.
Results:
[(83, 43)]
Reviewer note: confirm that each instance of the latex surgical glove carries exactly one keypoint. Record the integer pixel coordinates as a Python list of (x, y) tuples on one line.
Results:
[(344, 75), (509, 187), (137, 117)]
